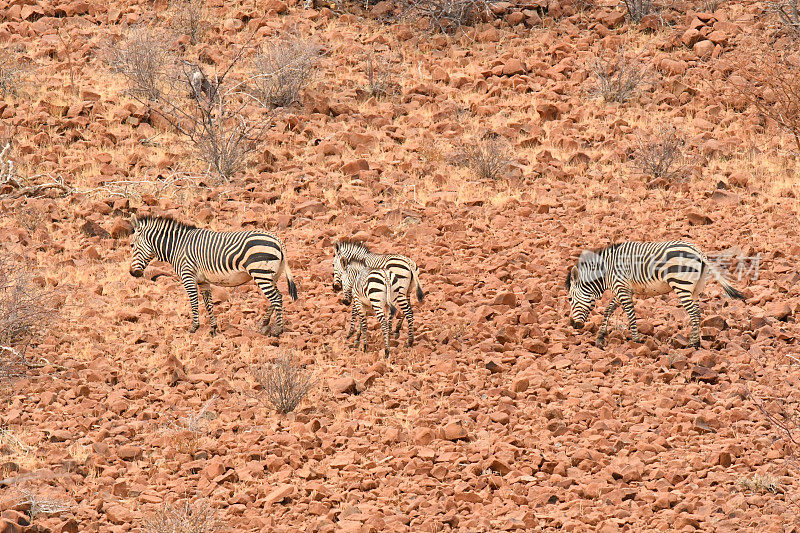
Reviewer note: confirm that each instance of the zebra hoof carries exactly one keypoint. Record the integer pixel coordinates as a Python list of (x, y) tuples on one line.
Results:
[(386, 352), (695, 345), (601, 342), (637, 338), (194, 328), (213, 331), (410, 343)]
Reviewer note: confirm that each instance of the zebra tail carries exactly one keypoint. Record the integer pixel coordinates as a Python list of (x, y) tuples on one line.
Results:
[(729, 289), (420, 294), (290, 282)]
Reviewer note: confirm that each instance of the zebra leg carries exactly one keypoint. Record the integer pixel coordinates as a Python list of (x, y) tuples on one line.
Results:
[(692, 308), (364, 331), (210, 308), (190, 284), (626, 301), (353, 314), (601, 335), (386, 327), (275, 298), (358, 310), (408, 313)]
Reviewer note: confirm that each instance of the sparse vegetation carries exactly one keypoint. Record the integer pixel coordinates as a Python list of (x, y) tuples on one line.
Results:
[(378, 76), (619, 79), (447, 16), (189, 18), (760, 484), (184, 518), (282, 70), (488, 157), (11, 73), (283, 384), (638, 9), (6, 163), (771, 83), (39, 505), (26, 308), (660, 155), (788, 12), (214, 112)]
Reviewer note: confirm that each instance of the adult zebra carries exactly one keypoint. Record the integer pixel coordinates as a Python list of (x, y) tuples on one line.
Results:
[(369, 289), (203, 257), (404, 269), (644, 268)]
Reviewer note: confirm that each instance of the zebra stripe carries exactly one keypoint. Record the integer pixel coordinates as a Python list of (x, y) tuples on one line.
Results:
[(403, 268), (368, 289), (202, 258), (646, 269)]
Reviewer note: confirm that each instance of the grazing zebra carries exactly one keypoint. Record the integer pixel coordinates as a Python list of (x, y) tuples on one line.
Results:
[(204, 257), (403, 268), (369, 289), (644, 268)]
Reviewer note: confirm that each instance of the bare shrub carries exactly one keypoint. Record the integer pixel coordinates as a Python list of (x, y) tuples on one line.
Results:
[(378, 76), (788, 13), (6, 163), (760, 484), (638, 9), (282, 70), (710, 6), (184, 518), (447, 16), (660, 155), (283, 383), (188, 18), (488, 157), (11, 73), (770, 81), (215, 113), (40, 505), (619, 79), (144, 58), (26, 309)]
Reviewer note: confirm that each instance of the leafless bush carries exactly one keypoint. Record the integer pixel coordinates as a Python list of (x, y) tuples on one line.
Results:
[(771, 83), (11, 73), (618, 79), (282, 70), (447, 16), (188, 18), (660, 155), (760, 484), (378, 76), (144, 58), (185, 518), (638, 9), (283, 383), (488, 157), (39, 505), (789, 15), (710, 6), (26, 309), (215, 113)]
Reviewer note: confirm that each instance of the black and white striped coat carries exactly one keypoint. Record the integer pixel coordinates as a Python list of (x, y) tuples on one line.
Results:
[(646, 269), (403, 268), (202, 258), (368, 290)]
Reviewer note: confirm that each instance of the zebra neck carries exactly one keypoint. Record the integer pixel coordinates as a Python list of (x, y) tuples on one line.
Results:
[(170, 244)]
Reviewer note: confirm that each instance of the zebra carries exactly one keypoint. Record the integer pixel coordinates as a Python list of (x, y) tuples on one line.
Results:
[(203, 257), (644, 268), (403, 268), (366, 289)]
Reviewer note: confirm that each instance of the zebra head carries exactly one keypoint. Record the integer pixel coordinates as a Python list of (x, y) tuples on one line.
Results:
[(585, 285), (349, 276), (143, 251), (338, 270)]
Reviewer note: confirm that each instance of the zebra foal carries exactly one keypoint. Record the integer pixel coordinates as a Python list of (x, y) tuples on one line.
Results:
[(646, 269), (202, 257), (368, 290), (404, 270)]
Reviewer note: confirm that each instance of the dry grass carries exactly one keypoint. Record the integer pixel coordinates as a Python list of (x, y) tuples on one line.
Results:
[(7, 173), (638, 9), (12, 73), (184, 518), (788, 13), (282, 70), (144, 58), (487, 157), (760, 484), (619, 79), (283, 384), (188, 17), (378, 76)]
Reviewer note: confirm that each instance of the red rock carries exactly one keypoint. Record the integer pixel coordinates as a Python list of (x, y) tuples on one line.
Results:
[(513, 66), (343, 385), (703, 49), (612, 19), (738, 179), (778, 310), (454, 431), (520, 385), (423, 436), (279, 494), (129, 453), (690, 37), (354, 167), (698, 219)]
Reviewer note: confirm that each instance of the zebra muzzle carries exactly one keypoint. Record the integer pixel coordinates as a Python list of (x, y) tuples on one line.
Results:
[(575, 324), (136, 273)]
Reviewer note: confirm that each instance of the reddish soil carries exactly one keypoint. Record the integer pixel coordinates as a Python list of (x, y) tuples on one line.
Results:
[(502, 417)]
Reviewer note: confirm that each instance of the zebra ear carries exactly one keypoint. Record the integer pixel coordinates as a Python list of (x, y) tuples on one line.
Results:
[(134, 222), (573, 275)]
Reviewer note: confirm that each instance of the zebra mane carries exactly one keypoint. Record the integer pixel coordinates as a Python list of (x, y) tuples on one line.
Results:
[(148, 220), (352, 245)]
